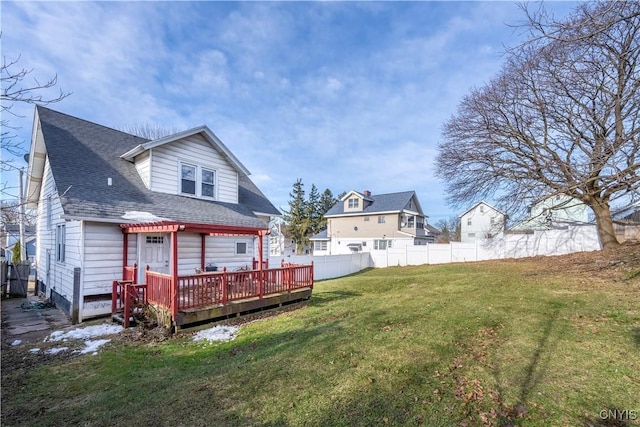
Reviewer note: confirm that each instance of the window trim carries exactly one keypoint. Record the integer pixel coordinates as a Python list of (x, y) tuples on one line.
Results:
[(246, 248), (353, 203), (198, 180), (61, 242), (377, 244), (320, 245)]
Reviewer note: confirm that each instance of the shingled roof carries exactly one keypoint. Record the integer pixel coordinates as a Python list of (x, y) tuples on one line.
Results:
[(392, 202), (83, 155)]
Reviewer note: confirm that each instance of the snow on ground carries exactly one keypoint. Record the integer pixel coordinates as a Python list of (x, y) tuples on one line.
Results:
[(217, 333), (85, 333), (16, 342), (90, 346)]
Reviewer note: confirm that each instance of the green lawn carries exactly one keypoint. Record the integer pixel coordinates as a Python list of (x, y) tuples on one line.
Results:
[(493, 343)]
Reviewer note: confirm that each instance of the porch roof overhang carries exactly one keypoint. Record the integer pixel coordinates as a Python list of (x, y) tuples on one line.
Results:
[(210, 229)]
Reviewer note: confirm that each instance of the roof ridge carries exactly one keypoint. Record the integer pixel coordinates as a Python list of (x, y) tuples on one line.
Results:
[(40, 107)]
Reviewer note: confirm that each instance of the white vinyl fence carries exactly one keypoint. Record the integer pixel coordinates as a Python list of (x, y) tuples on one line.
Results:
[(583, 238), (329, 266)]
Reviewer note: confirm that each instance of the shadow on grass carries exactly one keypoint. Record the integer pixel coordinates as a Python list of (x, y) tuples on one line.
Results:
[(612, 416), (534, 373), (635, 332), (322, 298)]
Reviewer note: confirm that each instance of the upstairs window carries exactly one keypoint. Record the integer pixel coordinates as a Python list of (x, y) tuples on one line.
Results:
[(381, 219), (188, 180), (354, 203), (197, 181), (208, 183)]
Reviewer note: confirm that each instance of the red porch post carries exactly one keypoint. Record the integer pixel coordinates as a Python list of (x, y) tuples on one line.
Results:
[(203, 248), (125, 252), (174, 274)]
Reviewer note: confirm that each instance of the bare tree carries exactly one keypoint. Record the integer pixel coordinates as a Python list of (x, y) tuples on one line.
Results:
[(149, 131), (450, 228), (16, 87), (562, 117)]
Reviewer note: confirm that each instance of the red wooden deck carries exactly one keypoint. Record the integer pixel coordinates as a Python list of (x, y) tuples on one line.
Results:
[(207, 296)]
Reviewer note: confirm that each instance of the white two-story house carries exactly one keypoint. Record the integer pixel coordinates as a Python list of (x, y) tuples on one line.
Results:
[(107, 200), (481, 221)]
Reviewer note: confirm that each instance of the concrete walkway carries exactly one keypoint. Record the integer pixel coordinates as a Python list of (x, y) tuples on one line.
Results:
[(24, 319)]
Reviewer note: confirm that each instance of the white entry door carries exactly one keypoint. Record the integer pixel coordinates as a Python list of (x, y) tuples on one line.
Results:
[(154, 252)]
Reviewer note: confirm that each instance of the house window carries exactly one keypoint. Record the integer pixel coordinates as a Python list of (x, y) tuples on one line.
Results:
[(197, 181), (468, 221), (155, 239), (381, 219), (354, 203), (188, 179), (60, 242), (411, 221), (320, 245), (208, 183), (366, 218), (481, 208), (471, 234), (381, 245), (492, 220), (241, 248)]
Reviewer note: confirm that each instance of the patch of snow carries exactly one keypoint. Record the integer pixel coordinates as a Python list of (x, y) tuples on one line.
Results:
[(140, 216), (56, 350), (217, 333), (34, 350), (92, 346), (16, 342), (85, 333)]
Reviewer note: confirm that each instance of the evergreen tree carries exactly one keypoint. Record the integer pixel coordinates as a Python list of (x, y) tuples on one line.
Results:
[(326, 202), (15, 256), (296, 216), (313, 213)]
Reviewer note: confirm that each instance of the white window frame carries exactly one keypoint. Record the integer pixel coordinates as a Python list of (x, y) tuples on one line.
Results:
[(198, 172), (381, 219), (61, 242), (354, 203), (381, 244), (246, 248), (195, 178), (320, 245)]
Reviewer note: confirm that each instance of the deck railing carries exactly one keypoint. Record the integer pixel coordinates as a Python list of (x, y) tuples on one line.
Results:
[(210, 288)]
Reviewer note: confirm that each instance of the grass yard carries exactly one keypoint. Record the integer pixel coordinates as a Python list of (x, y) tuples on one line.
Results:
[(544, 341)]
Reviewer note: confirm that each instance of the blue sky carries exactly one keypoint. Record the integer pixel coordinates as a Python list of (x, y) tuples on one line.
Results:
[(343, 95)]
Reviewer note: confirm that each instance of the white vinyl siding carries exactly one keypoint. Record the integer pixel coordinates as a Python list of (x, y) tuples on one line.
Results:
[(143, 166), (194, 151)]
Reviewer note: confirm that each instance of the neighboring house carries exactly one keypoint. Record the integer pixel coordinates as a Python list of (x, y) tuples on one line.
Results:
[(481, 221), (106, 200), (626, 222), (11, 234), (630, 213), (362, 222), (280, 245), (554, 211)]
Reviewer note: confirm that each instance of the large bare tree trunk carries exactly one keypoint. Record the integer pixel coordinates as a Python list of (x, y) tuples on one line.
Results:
[(606, 232)]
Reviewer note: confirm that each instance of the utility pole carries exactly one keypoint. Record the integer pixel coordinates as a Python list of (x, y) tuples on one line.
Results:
[(23, 245)]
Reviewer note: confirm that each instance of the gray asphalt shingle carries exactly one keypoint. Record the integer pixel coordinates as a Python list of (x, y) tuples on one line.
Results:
[(83, 155)]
